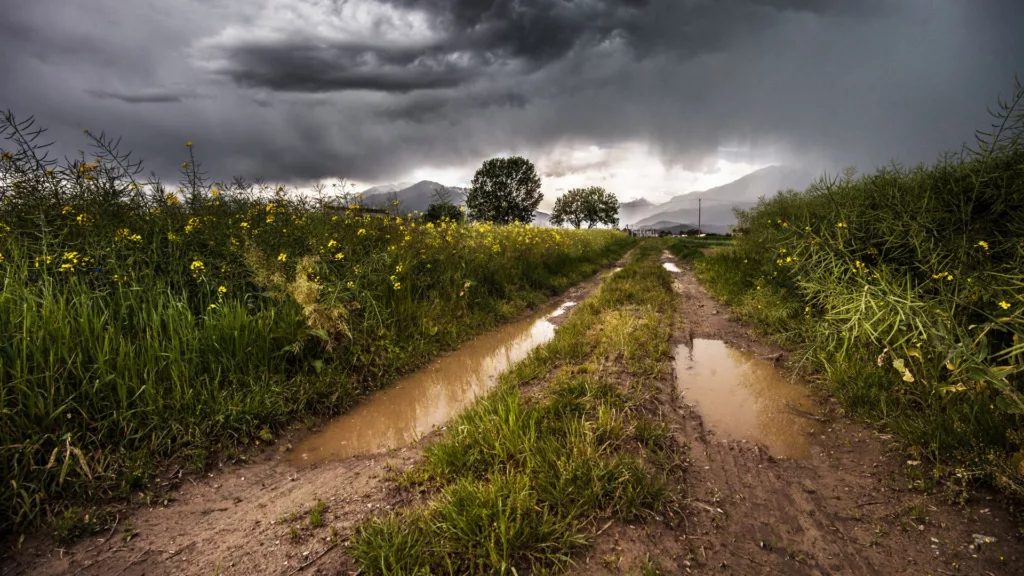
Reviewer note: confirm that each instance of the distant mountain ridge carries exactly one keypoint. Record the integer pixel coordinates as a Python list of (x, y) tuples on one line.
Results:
[(419, 196), (716, 204)]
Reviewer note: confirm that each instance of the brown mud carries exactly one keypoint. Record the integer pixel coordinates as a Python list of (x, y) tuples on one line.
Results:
[(857, 503), (255, 518)]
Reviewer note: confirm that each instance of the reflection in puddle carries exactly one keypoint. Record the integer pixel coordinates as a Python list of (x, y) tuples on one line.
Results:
[(671, 266), (743, 398), (400, 415)]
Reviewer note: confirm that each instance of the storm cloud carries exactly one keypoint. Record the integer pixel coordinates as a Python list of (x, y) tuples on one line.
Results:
[(371, 90)]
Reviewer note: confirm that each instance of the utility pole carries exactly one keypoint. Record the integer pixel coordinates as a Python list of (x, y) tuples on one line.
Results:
[(698, 217)]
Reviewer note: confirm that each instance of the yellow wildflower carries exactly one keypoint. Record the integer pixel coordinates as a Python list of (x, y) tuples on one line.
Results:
[(339, 256), (214, 192), (188, 144), (983, 244), (332, 243), (282, 257), (351, 284), (244, 225), (1, 257), (222, 290), (67, 210), (1004, 305), (198, 266), (361, 232)]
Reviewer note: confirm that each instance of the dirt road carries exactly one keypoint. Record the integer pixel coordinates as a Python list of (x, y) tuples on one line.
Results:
[(251, 519), (851, 507), (856, 504)]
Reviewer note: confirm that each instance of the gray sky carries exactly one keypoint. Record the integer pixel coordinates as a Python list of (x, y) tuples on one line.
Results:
[(649, 97)]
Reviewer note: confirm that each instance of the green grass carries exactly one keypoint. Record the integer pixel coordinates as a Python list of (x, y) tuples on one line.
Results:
[(140, 324), (905, 289), (520, 482)]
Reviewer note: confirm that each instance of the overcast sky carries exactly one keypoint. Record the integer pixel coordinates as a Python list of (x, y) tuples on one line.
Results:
[(646, 97)]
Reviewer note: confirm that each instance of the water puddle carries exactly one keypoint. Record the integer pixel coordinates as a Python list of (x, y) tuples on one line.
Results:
[(671, 266), (744, 398), (402, 414)]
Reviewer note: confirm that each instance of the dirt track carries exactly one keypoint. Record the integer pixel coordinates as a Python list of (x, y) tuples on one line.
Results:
[(239, 519), (845, 510)]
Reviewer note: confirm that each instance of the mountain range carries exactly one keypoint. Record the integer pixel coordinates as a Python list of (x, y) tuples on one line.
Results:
[(680, 212), (715, 205)]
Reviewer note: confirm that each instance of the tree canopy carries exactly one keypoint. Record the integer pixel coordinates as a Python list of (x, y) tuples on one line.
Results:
[(593, 206), (504, 190)]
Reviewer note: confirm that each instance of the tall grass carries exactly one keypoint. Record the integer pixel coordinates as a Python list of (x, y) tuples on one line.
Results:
[(906, 288), (139, 323), (521, 482)]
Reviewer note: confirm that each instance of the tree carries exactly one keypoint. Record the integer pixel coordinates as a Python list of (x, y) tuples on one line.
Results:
[(442, 208), (504, 190), (593, 205)]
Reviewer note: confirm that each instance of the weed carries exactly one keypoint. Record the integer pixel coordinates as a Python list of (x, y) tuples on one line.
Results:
[(140, 322), (316, 514), (904, 287)]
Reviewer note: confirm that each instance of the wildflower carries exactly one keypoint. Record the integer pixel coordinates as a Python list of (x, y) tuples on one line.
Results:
[(282, 257), (198, 267), (1, 257), (398, 285), (172, 199), (222, 290), (83, 219), (395, 203), (398, 268), (983, 244), (789, 258), (184, 165), (339, 256), (467, 285), (214, 192), (243, 225), (67, 210), (351, 284), (1004, 305), (193, 223), (211, 307), (67, 267), (842, 225), (361, 232), (172, 237), (332, 243)]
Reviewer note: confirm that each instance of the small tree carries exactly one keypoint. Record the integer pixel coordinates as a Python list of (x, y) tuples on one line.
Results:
[(442, 208), (504, 190), (593, 205)]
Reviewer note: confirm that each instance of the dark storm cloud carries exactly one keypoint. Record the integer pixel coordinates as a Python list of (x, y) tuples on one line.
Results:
[(371, 89), (152, 96)]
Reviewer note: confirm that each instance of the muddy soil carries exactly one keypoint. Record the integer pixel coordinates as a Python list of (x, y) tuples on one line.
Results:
[(251, 519), (850, 506)]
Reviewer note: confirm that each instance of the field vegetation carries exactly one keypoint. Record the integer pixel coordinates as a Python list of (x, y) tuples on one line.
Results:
[(569, 439), (905, 288), (140, 323)]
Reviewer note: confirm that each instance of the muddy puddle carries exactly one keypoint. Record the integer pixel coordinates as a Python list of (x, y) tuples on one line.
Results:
[(741, 397), (402, 414)]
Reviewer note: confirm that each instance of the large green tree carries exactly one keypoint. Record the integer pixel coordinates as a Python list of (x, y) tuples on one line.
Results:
[(592, 206), (504, 190)]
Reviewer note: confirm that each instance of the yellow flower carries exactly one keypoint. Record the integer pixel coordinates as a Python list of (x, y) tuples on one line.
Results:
[(198, 266), (1, 257), (398, 268), (83, 219), (67, 210), (332, 243), (983, 244), (211, 307), (270, 218), (188, 144), (172, 236), (339, 256), (351, 284), (184, 165), (282, 257), (361, 232), (222, 290), (1004, 305), (398, 285), (244, 225), (67, 267), (214, 192)]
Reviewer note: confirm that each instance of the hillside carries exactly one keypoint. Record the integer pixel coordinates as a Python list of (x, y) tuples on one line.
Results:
[(717, 204), (415, 198)]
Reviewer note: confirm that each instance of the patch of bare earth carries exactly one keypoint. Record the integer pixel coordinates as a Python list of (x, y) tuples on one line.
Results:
[(247, 519), (849, 508)]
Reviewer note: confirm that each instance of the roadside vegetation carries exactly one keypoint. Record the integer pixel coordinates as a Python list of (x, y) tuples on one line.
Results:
[(905, 288), (569, 439), (140, 323)]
